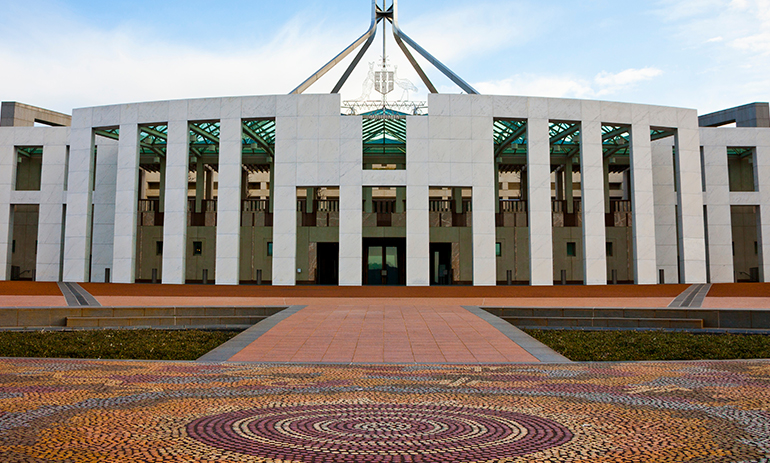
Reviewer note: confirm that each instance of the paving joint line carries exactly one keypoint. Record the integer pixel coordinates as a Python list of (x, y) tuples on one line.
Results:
[(227, 350), (531, 345)]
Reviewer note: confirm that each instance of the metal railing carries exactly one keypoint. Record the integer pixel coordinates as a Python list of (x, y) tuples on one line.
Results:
[(513, 205), (255, 205)]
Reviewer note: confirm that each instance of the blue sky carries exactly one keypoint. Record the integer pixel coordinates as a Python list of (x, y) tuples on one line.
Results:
[(703, 54)]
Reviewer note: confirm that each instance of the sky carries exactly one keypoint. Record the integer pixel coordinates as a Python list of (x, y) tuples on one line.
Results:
[(702, 54)]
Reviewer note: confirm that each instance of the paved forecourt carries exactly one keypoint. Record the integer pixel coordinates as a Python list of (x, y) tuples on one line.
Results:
[(110, 411)]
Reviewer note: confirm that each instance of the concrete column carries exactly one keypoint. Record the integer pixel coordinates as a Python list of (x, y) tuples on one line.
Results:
[(690, 199), (104, 209), (284, 199), (368, 202), (417, 236), (539, 203), (162, 187), (627, 185), (417, 203), (229, 202), (50, 222), (643, 205), (126, 206), (209, 193), (400, 197), (351, 198), (720, 231), (666, 247), (559, 176), (77, 240), (606, 177), (200, 182), (7, 172), (594, 233), (175, 214), (763, 175), (569, 186)]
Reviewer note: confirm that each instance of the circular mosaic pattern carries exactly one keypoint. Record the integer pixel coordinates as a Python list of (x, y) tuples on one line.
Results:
[(379, 432)]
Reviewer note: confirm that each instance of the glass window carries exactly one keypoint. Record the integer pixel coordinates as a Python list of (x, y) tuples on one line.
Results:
[(159, 248), (609, 249), (571, 249), (197, 248), (498, 249), (269, 249)]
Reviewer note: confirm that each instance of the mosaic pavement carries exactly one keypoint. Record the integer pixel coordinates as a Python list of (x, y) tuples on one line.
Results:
[(97, 411)]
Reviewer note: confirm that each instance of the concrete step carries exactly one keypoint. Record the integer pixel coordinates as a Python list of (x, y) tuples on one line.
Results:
[(188, 320), (606, 322)]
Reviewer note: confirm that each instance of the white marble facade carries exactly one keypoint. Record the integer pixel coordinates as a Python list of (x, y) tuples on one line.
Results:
[(317, 146)]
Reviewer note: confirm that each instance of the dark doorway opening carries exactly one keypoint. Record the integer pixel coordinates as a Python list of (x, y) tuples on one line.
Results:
[(328, 264), (384, 261), (440, 264)]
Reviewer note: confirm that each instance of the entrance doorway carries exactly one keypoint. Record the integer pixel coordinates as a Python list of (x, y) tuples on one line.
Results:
[(328, 264), (440, 264), (385, 262)]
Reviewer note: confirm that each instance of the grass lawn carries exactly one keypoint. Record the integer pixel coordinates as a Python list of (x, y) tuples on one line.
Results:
[(602, 346), (113, 344)]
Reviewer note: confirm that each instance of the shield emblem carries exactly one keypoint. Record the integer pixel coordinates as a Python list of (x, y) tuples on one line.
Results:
[(384, 81)]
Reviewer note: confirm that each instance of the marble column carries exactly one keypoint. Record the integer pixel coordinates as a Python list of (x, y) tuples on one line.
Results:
[(175, 210), (417, 193), (50, 222), (643, 205), (77, 239), (229, 202), (284, 196), (720, 232), (104, 209), (690, 199), (763, 180), (594, 233), (539, 203), (351, 199), (126, 206), (7, 169)]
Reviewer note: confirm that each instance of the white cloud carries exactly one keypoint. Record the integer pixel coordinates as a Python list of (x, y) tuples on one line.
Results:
[(480, 28), (608, 83), (69, 64), (603, 84), (715, 39)]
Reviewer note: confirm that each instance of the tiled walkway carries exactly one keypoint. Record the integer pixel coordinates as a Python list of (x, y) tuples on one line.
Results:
[(402, 333), (147, 412)]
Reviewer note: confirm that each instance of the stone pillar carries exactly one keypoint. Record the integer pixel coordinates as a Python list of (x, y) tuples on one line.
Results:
[(50, 222), (417, 236), (606, 177), (351, 198), (762, 169), (7, 170), (175, 214), (162, 186), (417, 203), (643, 205), (720, 230), (539, 193), (77, 240), (104, 209), (569, 186), (284, 199), (200, 182), (229, 202), (594, 233), (690, 199), (126, 206)]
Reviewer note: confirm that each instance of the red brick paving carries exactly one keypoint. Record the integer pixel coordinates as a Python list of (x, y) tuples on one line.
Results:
[(383, 333)]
